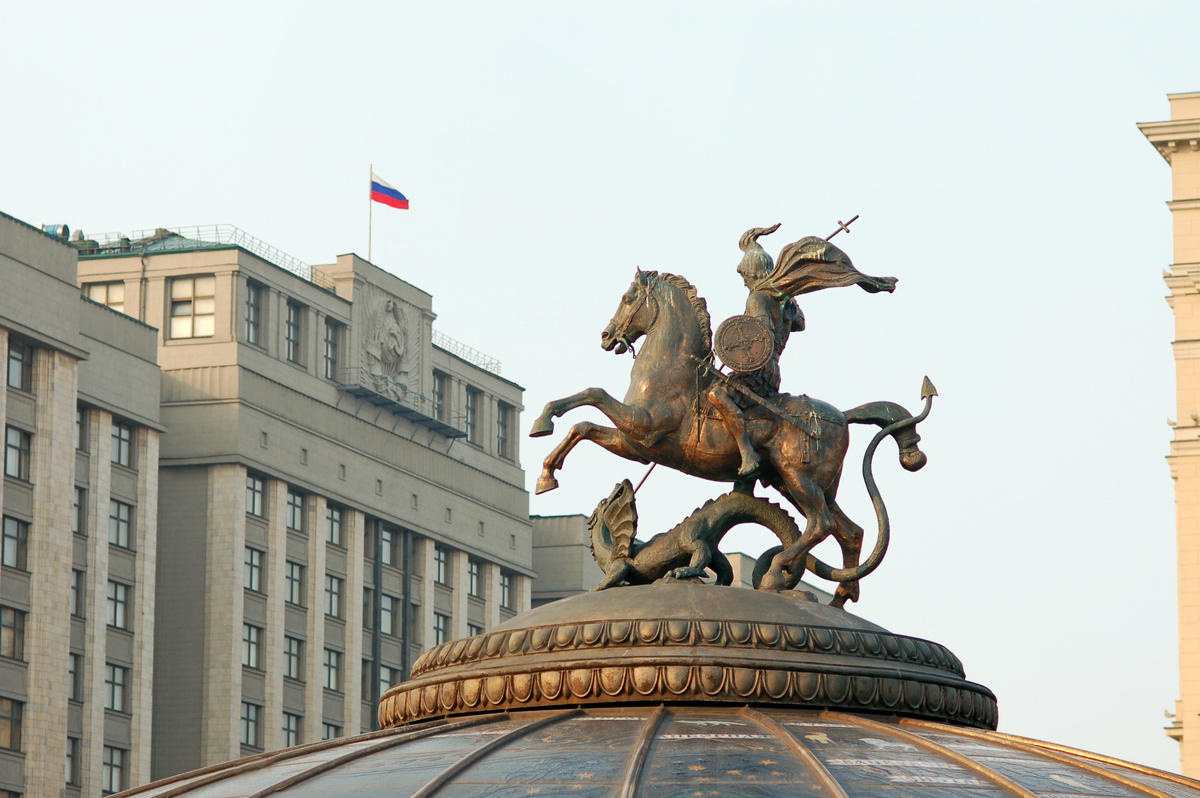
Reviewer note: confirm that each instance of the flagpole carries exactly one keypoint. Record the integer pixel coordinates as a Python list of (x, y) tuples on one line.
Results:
[(370, 210)]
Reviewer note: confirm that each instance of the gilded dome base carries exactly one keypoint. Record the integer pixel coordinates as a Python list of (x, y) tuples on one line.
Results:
[(690, 643)]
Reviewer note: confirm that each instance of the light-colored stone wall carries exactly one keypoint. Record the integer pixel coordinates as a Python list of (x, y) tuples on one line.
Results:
[(1176, 140), (223, 602), (48, 634)]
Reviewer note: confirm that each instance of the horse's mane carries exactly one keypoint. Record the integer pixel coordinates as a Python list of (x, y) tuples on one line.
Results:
[(698, 303)]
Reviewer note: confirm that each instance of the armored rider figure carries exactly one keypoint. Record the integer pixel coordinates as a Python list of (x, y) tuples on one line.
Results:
[(807, 265)]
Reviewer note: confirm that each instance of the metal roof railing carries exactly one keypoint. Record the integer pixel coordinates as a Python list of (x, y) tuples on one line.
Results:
[(163, 239), (472, 356)]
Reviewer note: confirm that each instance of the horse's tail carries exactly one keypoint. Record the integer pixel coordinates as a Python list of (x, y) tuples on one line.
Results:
[(885, 414)]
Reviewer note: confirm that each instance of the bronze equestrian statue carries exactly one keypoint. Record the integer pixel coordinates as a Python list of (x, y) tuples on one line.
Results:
[(683, 412)]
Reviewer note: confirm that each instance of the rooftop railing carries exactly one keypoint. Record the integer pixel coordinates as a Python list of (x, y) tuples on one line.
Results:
[(472, 356), (164, 239)]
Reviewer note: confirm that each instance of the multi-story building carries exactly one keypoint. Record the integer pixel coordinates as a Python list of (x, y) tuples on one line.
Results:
[(1178, 141), (79, 406), (339, 488)]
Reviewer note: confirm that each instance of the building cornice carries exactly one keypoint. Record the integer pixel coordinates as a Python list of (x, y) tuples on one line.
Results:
[(1168, 137)]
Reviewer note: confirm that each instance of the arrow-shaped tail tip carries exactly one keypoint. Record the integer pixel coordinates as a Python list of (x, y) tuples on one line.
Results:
[(927, 389)]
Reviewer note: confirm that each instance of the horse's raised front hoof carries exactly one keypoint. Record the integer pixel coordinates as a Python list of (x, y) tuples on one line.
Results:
[(913, 460), (541, 428), (545, 483)]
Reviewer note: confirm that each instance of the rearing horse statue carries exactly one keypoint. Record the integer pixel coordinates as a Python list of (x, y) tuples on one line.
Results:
[(666, 419)]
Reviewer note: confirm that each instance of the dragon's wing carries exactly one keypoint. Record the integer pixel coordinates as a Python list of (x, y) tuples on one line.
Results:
[(620, 516)]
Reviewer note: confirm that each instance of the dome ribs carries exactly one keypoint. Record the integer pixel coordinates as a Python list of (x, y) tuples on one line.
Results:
[(441, 779), (1060, 754), (799, 749), (191, 779), (929, 745), (399, 739), (637, 760)]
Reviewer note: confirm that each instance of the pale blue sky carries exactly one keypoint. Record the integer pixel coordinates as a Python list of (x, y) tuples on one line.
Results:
[(549, 148)]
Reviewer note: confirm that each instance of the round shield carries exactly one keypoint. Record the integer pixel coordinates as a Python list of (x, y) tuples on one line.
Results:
[(743, 343)]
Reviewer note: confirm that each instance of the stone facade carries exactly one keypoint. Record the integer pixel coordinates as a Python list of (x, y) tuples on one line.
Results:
[(79, 511), (337, 492), (1177, 141)]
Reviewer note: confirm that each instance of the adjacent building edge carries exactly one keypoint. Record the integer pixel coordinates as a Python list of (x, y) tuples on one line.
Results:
[(1178, 141)]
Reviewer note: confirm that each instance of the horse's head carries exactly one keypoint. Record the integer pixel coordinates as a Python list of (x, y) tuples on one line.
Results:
[(637, 311)]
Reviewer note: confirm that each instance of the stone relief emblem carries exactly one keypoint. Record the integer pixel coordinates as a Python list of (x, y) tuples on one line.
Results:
[(385, 357)]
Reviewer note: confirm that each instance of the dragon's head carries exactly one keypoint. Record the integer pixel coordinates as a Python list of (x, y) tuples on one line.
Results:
[(615, 518)]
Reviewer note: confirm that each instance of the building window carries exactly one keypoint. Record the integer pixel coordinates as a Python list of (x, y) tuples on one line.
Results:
[(294, 584), (291, 336), (251, 640), (75, 677), (330, 731), (473, 402), (367, 620), (120, 517), (12, 633), (10, 724), (122, 444), (254, 495), (251, 725), (291, 729), (17, 446), (473, 578), (112, 776), (193, 307), (254, 314), (73, 761), (506, 591), (332, 328), (252, 571), (389, 543), (389, 609), (110, 294), (333, 596), (333, 669), (474, 629), (440, 385), (77, 581), (441, 628), (79, 512), (388, 676), (295, 511), (504, 431), (441, 560), (333, 525), (16, 543), (20, 366), (81, 429), (118, 605), (115, 679), (293, 657)]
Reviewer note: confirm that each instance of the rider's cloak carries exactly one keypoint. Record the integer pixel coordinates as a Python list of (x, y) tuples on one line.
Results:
[(812, 264)]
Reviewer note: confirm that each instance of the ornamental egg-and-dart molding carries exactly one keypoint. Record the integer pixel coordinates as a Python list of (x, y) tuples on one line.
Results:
[(693, 643)]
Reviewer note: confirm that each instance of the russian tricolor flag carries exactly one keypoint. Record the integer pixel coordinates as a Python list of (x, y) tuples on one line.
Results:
[(382, 192)]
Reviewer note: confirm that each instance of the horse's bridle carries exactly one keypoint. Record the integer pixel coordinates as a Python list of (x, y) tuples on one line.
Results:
[(621, 334)]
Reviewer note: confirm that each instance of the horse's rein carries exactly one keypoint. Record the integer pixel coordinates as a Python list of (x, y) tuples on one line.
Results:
[(623, 338)]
